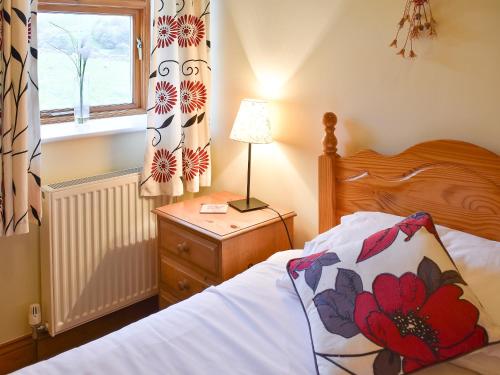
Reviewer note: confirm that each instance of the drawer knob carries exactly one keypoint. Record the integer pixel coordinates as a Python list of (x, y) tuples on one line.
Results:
[(182, 247), (183, 285)]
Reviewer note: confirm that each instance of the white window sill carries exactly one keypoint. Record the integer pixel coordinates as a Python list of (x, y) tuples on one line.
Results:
[(97, 127)]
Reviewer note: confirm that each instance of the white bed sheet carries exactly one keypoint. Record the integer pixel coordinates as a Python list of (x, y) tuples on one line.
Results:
[(247, 325)]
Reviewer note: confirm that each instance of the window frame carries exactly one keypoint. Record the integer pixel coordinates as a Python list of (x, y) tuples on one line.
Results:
[(139, 10)]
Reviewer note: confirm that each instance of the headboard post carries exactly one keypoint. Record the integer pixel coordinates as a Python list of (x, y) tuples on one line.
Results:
[(326, 175)]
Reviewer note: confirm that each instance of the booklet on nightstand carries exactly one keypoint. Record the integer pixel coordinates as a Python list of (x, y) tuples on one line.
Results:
[(219, 208)]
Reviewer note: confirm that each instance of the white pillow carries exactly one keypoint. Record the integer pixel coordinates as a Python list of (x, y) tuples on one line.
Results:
[(477, 259)]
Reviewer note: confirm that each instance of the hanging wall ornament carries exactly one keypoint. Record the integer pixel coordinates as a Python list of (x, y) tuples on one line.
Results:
[(418, 17)]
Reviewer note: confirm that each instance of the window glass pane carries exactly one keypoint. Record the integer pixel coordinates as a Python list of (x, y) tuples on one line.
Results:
[(109, 67)]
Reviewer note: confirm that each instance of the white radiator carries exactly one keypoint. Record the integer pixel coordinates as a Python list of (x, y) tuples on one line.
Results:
[(98, 251)]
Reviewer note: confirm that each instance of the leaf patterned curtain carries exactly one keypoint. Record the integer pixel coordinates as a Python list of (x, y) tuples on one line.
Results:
[(20, 195), (178, 138)]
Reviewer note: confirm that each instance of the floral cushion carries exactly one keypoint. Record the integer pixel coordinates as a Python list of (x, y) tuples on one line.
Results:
[(393, 303)]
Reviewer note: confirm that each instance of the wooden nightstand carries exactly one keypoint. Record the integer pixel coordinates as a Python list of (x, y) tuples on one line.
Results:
[(198, 250)]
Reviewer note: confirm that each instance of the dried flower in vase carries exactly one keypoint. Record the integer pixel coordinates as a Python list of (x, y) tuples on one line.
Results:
[(418, 18)]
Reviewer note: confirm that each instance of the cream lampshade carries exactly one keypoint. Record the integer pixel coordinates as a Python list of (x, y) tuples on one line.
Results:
[(252, 125)]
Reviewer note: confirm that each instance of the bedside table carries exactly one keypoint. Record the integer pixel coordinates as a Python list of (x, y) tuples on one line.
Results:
[(198, 250)]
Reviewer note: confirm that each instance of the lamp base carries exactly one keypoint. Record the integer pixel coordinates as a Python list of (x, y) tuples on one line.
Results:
[(253, 204)]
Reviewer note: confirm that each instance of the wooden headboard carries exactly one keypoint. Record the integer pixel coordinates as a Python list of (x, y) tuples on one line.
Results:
[(458, 183)]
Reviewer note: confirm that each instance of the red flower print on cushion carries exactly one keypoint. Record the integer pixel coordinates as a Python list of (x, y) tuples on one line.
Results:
[(423, 330), (203, 161), (193, 95), (189, 163), (380, 241), (168, 29), (302, 264), (191, 30), (163, 167), (165, 97)]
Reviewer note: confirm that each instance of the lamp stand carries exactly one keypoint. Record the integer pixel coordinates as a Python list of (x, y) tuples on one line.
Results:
[(248, 204)]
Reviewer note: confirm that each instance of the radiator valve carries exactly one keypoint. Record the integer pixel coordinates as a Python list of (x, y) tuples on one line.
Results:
[(35, 320)]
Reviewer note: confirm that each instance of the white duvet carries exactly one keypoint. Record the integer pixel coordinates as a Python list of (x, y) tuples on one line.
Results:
[(247, 325)]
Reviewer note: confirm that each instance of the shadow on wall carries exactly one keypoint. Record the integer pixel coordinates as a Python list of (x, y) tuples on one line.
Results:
[(289, 40), (354, 136)]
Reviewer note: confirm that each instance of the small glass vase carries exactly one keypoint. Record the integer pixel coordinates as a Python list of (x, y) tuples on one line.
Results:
[(82, 99)]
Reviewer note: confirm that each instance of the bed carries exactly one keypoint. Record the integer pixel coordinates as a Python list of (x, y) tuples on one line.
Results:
[(251, 324)]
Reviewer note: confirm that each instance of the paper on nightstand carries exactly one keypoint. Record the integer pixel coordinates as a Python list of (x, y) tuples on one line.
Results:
[(213, 208)]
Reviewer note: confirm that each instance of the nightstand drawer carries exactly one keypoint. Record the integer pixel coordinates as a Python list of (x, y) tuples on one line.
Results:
[(188, 246), (179, 283)]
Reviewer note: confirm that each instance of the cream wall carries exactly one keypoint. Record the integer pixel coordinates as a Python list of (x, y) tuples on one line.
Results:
[(311, 57), (333, 55), (19, 282), (19, 256)]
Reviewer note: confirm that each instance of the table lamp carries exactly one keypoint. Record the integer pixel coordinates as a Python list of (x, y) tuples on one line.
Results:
[(251, 125)]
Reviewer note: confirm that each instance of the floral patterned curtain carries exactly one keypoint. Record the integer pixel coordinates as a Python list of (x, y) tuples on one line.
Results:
[(20, 195), (178, 138)]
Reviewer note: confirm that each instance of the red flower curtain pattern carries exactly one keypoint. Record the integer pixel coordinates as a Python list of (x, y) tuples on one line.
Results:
[(178, 138), (20, 194)]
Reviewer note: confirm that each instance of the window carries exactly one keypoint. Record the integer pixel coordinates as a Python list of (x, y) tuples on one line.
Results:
[(117, 34)]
